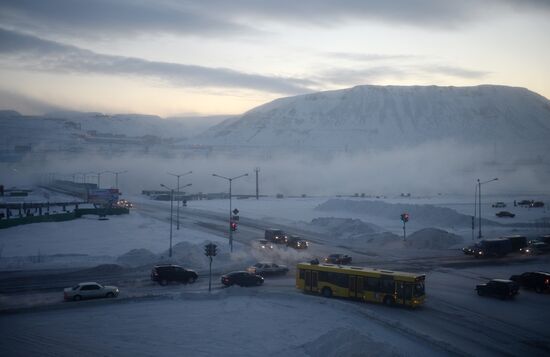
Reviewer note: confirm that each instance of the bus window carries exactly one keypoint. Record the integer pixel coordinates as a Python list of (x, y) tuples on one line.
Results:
[(338, 279), (323, 276), (387, 286), (302, 274), (371, 284)]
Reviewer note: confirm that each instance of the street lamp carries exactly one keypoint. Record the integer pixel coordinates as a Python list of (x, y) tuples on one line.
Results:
[(178, 191), (171, 214), (99, 177), (479, 183), (86, 174), (116, 173), (230, 207), (475, 213)]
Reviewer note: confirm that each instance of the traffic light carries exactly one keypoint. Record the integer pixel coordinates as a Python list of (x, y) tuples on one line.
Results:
[(233, 226), (210, 250), (405, 217)]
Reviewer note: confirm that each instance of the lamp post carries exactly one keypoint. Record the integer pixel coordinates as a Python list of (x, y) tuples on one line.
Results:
[(475, 213), (86, 174), (116, 173), (230, 179), (479, 183), (171, 214), (178, 191), (99, 177)]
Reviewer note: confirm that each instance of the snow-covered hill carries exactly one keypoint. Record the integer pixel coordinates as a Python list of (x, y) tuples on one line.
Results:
[(381, 117)]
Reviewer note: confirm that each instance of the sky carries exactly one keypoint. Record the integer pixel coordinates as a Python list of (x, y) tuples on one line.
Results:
[(172, 58)]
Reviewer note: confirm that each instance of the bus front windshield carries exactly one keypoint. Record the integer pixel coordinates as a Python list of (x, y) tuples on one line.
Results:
[(418, 289)]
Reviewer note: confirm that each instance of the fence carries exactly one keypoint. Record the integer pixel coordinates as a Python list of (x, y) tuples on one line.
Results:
[(60, 217)]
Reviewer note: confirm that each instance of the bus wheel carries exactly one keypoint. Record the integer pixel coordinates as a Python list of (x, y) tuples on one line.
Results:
[(388, 301), (327, 292)]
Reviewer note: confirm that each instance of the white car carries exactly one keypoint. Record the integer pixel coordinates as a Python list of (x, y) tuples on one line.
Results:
[(267, 269), (90, 290)]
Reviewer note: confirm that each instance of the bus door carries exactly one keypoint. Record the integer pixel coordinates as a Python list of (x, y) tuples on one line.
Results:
[(404, 293), (311, 281), (356, 287)]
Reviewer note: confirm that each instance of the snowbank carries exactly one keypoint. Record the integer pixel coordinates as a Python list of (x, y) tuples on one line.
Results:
[(430, 215), (432, 238)]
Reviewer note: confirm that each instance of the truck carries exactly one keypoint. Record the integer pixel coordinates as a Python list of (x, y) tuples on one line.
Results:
[(498, 247), (517, 241), (277, 236)]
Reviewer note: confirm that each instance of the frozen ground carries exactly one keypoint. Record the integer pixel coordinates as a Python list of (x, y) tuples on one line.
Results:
[(277, 320), (272, 320)]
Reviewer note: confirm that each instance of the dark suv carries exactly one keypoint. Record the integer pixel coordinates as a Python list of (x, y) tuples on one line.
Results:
[(540, 281), (500, 288), (163, 274), (338, 259), (242, 278)]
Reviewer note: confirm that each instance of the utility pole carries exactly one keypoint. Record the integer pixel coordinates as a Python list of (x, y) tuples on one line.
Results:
[(257, 170), (479, 183)]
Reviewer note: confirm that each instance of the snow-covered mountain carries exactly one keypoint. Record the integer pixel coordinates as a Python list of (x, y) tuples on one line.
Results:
[(380, 117)]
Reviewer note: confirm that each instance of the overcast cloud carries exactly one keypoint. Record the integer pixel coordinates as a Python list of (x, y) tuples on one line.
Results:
[(30, 52), (216, 18)]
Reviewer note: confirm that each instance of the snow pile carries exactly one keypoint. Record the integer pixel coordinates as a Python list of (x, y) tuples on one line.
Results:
[(344, 227), (432, 238), (137, 257), (347, 342), (423, 214), (103, 269)]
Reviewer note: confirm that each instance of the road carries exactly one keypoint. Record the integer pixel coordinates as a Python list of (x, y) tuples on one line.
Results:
[(454, 320)]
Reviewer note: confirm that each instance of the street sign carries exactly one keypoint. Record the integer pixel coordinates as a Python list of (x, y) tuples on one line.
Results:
[(235, 218), (235, 211)]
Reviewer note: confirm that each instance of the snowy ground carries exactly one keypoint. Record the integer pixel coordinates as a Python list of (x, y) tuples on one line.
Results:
[(274, 319), (277, 320)]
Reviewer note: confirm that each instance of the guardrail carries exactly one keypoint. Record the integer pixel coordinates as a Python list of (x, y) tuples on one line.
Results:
[(60, 217)]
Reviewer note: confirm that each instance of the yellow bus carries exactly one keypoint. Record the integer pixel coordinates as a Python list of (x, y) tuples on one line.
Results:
[(366, 284)]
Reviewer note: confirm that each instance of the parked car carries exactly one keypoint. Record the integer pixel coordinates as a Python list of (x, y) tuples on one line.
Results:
[(525, 203), (264, 244), (537, 204), (503, 214), (163, 274), (536, 247), (264, 269), (297, 242), (338, 259), (499, 205), (539, 281), (90, 290), (276, 236), (242, 278), (500, 288)]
